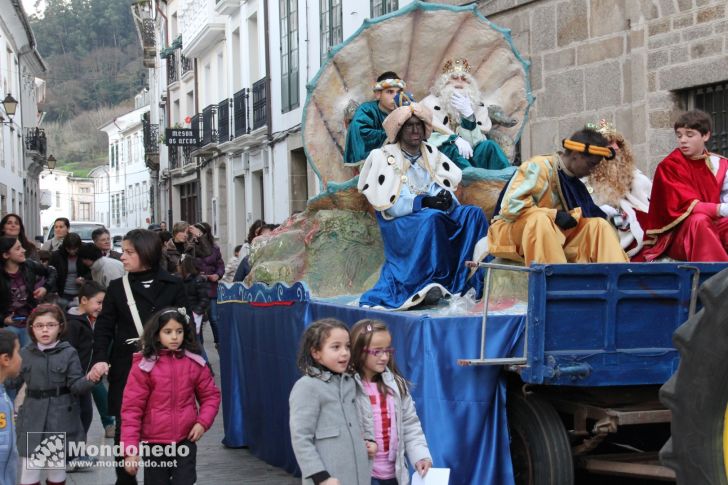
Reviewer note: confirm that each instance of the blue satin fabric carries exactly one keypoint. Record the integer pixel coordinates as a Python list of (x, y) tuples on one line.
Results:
[(427, 246), (462, 409)]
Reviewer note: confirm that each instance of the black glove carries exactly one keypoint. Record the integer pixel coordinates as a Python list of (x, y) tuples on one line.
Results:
[(564, 220), (442, 201)]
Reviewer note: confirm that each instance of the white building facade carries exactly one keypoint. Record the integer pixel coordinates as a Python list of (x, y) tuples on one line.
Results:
[(22, 141), (67, 196), (235, 71), (129, 181)]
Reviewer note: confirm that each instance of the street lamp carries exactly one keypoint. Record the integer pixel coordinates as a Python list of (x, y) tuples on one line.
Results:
[(10, 105), (51, 162)]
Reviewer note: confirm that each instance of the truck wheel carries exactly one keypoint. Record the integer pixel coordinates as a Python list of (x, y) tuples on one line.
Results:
[(697, 394), (540, 449)]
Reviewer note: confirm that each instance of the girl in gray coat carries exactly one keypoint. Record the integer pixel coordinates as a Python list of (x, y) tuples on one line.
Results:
[(53, 377), (385, 401), (327, 439)]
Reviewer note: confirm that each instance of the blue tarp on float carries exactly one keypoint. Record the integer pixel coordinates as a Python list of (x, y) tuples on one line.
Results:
[(462, 409)]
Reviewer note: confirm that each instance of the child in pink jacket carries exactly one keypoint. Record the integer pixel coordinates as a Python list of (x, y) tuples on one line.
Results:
[(160, 404)]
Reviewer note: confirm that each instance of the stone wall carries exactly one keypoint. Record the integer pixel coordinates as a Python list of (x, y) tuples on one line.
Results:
[(623, 60)]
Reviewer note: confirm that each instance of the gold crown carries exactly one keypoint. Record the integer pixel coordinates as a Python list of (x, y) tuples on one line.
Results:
[(604, 127), (460, 65)]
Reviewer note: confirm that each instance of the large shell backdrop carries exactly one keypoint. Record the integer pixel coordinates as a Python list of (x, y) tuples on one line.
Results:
[(415, 42)]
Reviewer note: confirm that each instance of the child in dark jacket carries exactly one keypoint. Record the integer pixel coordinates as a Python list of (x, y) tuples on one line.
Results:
[(196, 292), (80, 335), (169, 398)]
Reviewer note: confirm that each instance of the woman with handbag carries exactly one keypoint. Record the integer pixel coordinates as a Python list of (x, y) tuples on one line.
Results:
[(130, 301)]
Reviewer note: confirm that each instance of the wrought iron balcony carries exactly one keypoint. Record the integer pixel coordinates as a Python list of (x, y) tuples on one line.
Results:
[(172, 72), (145, 26), (241, 120), (173, 157), (151, 137), (195, 126), (260, 112), (223, 120), (209, 125), (187, 64), (186, 155), (35, 141)]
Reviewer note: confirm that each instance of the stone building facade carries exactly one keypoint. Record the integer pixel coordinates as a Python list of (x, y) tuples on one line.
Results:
[(636, 63)]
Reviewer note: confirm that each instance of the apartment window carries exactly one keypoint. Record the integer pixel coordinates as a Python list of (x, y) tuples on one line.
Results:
[(713, 99), (380, 7), (289, 55), (58, 199), (123, 203), (331, 32), (84, 211)]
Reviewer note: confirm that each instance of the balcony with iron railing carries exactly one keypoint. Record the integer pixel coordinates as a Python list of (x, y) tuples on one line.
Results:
[(173, 157), (240, 113), (172, 71), (150, 135), (35, 142), (260, 111), (146, 29), (223, 121), (209, 125), (187, 65)]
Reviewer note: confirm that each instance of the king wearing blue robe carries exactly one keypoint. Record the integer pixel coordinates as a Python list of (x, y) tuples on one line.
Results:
[(428, 235)]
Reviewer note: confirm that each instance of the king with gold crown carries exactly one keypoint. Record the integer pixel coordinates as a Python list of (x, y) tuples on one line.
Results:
[(461, 120)]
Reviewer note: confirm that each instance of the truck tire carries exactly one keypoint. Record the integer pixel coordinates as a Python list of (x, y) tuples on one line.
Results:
[(697, 394), (540, 449)]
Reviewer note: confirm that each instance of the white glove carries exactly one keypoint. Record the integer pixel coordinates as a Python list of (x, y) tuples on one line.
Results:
[(461, 102), (723, 209), (609, 210), (198, 322), (465, 148)]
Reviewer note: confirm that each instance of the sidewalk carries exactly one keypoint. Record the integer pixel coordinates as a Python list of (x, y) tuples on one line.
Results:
[(215, 463)]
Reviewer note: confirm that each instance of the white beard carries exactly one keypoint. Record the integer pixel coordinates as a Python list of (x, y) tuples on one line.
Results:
[(445, 97)]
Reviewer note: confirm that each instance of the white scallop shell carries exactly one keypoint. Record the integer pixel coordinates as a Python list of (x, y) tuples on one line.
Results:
[(414, 42)]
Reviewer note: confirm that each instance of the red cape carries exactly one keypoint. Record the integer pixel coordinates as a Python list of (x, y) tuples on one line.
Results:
[(679, 184)]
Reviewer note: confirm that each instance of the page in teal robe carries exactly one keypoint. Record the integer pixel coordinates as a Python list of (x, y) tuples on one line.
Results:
[(365, 133)]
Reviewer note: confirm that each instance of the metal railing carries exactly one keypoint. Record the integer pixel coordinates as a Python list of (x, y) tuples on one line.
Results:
[(209, 125), (195, 126), (151, 137), (260, 113), (172, 72), (187, 64), (186, 155), (223, 120), (240, 112), (35, 140), (173, 157)]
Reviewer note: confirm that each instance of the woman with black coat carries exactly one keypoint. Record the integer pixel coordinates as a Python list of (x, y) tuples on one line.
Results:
[(72, 273), (22, 283), (152, 288)]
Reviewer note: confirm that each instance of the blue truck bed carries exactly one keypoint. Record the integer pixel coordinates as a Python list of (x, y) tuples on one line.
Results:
[(607, 324)]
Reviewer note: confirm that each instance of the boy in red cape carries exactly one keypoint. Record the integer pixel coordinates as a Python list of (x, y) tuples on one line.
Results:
[(687, 220)]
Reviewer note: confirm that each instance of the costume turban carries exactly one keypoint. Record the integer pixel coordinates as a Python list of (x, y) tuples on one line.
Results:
[(397, 118)]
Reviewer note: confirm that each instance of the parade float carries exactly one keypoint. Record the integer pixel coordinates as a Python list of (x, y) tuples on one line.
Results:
[(585, 347)]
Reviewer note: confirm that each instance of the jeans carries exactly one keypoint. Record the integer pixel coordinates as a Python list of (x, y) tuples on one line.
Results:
[(22, 333), (101, 398), (212, 312), (388, 481)]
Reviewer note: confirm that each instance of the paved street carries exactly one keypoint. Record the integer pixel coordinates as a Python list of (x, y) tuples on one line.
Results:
[(215, 463)]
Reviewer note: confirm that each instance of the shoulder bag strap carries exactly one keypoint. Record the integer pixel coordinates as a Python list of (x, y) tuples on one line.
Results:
[(133, 309)]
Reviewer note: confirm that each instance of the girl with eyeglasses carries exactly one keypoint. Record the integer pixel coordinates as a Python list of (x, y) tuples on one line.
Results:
[(51, 371), (387, 402)]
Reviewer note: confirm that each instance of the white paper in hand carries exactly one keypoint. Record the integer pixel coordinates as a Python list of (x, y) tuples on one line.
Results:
[(435, 476)]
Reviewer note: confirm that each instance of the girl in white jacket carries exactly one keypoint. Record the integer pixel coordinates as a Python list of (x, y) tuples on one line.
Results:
[(384, 399)]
